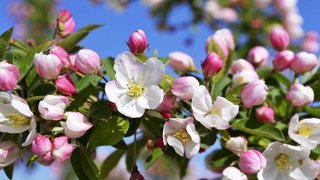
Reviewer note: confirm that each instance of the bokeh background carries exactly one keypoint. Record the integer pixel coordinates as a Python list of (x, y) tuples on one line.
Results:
[(110, 40)]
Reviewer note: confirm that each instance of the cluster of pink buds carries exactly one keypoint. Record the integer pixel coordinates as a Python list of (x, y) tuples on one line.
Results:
[(48, 151)]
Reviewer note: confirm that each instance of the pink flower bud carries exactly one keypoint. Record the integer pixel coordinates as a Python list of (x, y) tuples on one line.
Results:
[(258, 56), (138, 42), (65, 85), (65, 23), (310, 42), (283, 60), (87, 61), (47, 66), (241, 65), (227, 37), (61, 54), (279, 38), (41, 146), (252, 161), (212, 64), (9, 76), (300, 95), (184, 87), (61, 149), (180, 61), (167, 104), (218, 41), (237, 144), (254, 93), (52, 107), (76, 125), (303, 62), (265, 114), (9, 153)]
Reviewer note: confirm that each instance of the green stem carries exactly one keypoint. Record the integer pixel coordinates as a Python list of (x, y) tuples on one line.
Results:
[(34, 98), (134, 156)]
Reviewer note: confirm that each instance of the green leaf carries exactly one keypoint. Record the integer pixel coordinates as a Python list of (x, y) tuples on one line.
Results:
[(44, 89), (72, 40), (153, 126), (9, 170), (264, 72), (141, 57), (81, 97), (156, 154), (315, 153), (121, 145), (208, 139), (281, 78), (314, 111), (108, 132), (83, 165), (108, 64), (233, 95), (251, 126), (166, 82), (110, 163), (164, 60), (220, 85), (100, 110), (32, 159), (4, 41), (87, 80), (221, 159)]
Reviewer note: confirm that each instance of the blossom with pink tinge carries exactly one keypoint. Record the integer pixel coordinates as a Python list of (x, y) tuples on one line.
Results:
[(300, 95), (251, 161), (182, 136), (76, 124), (241, 65), (184, 87), (279, 38), (61, 149), (9, 153), (283, 59), (258, 56), (265, 114), (254, 93), (47, 66), (211, 65), (52, 107), (303, 62), (65, 85), (61, 54), (180, 61), (9, 76), (87, 61), (138, 42)]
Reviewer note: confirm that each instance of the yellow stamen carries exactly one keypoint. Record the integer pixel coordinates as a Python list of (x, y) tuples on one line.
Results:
[(18, 120), (182, 136), (134, 89), (305, 130), (283, 162), (215, 111)]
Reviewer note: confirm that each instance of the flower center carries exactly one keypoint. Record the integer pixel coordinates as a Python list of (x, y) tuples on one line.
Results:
[(283, 162), (134, 89), (18, 120), (305, 130), (3, 155), (215, 111), (182, 136)]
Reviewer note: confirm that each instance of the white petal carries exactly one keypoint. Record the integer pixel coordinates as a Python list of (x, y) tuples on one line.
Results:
[(152, 72), (191, 149), (204, 120), (152, 98), (201, 101), (293, 125), (270, 172), (129, 107), (303, 141), (114, 91), (78, 123), (32, 134), (70, 133), (193, 133), (126, 67), (176, 144), (22, 107)]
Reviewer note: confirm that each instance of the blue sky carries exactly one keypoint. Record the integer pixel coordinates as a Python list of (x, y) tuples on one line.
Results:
[(110, 39)]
